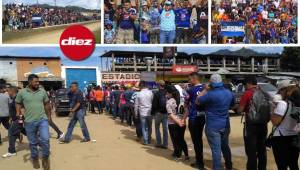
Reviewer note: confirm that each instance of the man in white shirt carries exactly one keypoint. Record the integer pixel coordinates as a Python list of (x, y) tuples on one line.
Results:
[(4, 108), (142, 107)]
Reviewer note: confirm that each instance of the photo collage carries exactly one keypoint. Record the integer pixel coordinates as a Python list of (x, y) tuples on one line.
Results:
[(150, 85)]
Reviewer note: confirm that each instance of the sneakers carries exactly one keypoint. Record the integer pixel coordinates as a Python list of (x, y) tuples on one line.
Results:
[(46, 163), (9, 155), (60, 136), (85, 140), (36, 163)]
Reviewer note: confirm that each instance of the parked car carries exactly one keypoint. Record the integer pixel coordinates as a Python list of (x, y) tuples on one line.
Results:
[(62, 102)]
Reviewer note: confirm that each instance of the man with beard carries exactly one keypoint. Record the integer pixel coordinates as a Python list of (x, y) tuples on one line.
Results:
[(37, 112)]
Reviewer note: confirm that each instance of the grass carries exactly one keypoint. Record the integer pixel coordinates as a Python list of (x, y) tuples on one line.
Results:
[(97, 35)]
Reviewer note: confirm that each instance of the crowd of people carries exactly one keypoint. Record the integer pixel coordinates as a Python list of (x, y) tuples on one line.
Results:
[(263, 21), (20, 16), (156, 22), (206, 106), (201, 107)]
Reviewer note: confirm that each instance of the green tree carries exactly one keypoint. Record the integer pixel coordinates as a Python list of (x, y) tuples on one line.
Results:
[(290, 60)]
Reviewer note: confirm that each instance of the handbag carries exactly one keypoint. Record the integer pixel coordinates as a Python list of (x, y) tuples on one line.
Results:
[(269, 139)]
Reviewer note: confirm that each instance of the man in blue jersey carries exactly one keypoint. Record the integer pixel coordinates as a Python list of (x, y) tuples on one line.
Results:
[(183, 15), (126, 17), (196, 118)]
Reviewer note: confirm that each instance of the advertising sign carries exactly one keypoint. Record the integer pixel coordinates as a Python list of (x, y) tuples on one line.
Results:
[(120, 77), (184, 69)]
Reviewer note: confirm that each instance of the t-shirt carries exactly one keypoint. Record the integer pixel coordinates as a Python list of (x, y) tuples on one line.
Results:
[(154, 18), (171, 107), (99, 95), (246, 98), (183, 16), (77, 97), (125, 21), (192, 95), (167, 20), (288, 123), (4, 101), (33, 102)]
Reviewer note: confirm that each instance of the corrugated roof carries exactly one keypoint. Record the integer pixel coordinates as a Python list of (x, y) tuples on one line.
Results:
[(30, 57), (243, 52)]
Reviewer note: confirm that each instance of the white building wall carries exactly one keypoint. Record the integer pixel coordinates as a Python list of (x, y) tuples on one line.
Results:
[(8, 70)]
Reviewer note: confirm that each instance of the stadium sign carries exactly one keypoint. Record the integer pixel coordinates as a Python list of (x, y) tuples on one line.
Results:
[(184, 69), (120, 77), (232, 29)]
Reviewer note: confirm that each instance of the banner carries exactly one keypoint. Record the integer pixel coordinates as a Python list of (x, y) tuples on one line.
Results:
[(232, 29), (184, 69), (120, 77)]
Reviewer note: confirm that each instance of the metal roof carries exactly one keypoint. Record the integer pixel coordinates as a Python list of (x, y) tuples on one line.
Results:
[(243, 52), (29, 57)]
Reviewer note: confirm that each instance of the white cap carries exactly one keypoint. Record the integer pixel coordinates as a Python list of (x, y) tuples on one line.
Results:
[(216, 78)]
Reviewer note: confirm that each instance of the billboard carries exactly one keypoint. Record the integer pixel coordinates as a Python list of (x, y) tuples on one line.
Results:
[(120, 77), (184, 69)]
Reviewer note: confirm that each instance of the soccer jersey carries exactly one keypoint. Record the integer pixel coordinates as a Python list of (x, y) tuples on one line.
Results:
[(190, 101), (183, 16), (125, 21)]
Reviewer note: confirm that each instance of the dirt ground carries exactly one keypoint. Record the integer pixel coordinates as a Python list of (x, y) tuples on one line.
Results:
[(48, 37), (116, 148)]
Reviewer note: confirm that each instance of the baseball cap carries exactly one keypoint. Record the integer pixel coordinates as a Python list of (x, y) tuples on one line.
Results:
[(144, 3), (216, 78), (168, 3), (161, 82), (284, 83)]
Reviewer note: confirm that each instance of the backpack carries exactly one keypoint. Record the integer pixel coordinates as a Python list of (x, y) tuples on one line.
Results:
[(259, 108)]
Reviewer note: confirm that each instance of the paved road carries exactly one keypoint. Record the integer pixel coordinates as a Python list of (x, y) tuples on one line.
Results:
[(115, 148), (48, 37)]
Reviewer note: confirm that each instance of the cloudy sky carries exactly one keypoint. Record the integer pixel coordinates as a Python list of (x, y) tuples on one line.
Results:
[(89, 4), (94, 59)]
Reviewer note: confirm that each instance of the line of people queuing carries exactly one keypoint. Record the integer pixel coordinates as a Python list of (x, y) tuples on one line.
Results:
[(156, 22), (204, 108), (20, 16), (266, 22), (28, 111)]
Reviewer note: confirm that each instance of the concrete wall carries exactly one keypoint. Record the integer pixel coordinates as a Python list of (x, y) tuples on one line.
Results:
[(26, 65), (8, 70)]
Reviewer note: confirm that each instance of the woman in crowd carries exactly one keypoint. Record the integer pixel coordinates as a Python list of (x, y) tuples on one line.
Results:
[(176, 125), (285, 153)]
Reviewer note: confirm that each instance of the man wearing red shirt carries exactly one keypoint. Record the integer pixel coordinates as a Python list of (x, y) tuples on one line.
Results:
[(255, 135)]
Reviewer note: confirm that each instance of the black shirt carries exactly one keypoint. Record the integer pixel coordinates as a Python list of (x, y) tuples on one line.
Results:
[(77, 97)]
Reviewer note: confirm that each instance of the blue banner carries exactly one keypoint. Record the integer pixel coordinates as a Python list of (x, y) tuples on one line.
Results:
[(232, 29)]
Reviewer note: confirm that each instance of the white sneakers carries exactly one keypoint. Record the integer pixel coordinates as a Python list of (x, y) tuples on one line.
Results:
[(61, 137), (9, 155)]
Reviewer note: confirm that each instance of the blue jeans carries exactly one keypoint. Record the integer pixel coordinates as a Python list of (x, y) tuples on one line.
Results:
[(161, 119), (38, 134), (218, 142), (116, 110), (78, 116), (167, 37), (146, 123)]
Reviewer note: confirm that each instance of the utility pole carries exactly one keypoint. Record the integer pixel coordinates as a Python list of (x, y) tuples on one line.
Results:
[(55, 3)]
